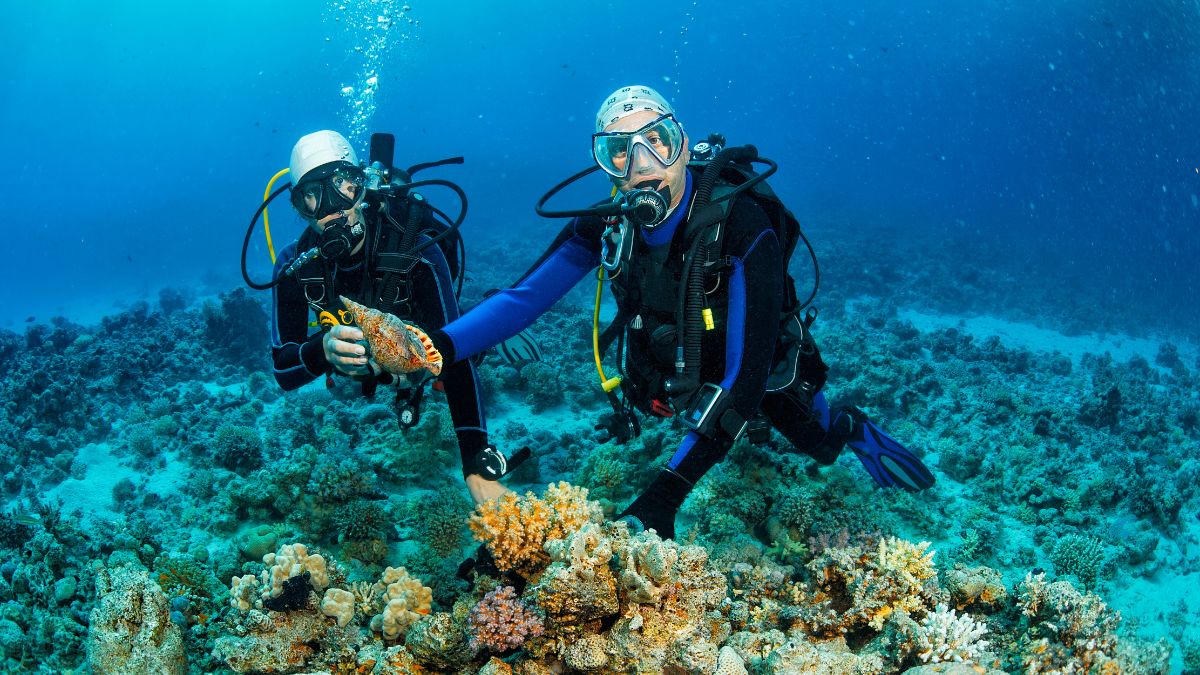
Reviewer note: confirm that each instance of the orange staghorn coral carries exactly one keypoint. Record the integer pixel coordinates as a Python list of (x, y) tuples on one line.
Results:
[(516, 529), (398, 347)]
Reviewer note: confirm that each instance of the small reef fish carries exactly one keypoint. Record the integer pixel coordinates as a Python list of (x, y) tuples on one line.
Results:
[(25, 518)]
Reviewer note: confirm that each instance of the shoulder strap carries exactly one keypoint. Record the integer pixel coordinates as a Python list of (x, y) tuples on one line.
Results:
[(395, 256)]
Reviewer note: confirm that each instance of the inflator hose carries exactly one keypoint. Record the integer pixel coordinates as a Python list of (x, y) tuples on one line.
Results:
[(691, 301)]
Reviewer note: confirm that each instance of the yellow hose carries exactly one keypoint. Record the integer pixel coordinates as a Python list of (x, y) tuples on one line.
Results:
[(266, 223), (606, 383)]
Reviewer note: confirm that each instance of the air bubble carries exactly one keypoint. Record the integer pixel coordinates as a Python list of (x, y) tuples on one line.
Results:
[(368, 39)]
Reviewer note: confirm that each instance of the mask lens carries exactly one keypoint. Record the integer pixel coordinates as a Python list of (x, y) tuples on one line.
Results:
[(611, 152), (307, 198), (347, 183), (665, 138)]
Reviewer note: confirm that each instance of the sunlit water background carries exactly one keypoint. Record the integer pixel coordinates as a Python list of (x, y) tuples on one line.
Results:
[(1054, 138)]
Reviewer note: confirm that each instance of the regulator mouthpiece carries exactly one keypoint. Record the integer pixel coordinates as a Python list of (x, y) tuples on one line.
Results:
[(645, 207)]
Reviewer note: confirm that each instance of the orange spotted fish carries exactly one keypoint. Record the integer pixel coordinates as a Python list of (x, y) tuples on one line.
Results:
[(398, 347)]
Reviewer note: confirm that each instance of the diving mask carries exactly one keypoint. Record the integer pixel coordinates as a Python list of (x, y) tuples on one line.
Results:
[(336, 190), (662, 139)]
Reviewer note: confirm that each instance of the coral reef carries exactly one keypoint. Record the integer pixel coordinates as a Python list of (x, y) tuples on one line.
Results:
[(192, 466), (502, 622), (405, 600), (945, 636), (131, 628), (862, 587)]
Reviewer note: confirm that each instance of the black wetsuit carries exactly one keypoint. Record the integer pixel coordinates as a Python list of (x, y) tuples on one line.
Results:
[(299, 356), (737, 354)]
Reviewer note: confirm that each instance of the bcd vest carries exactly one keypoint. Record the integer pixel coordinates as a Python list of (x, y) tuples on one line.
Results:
[(386, 283), (650, 284)]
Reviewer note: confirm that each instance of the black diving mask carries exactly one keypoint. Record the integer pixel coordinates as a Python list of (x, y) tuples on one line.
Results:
[(339, 189)]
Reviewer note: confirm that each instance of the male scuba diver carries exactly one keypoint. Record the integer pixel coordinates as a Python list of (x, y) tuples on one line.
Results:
[(374, 240), (708, 321)]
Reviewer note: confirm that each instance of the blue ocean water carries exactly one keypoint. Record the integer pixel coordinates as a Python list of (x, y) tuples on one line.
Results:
[(1003, 196), (1058, 138)]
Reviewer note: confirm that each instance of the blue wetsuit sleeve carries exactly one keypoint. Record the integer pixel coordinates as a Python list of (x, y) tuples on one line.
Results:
[(508, 312), (297, 357)]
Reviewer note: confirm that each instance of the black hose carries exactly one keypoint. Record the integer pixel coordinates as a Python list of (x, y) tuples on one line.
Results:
[(604, 209), (429, 165), (462, 268), (708, 180), (816, 273), (462, 196), (246, 243), (412, 225), (452, 225)]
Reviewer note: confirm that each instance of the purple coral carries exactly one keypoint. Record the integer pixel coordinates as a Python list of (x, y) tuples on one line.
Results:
[(501, 621)]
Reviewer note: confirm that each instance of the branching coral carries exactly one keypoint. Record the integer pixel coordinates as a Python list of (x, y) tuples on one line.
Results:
[(183, 576), (857, 589), (1065, 631), (338, 481), (501, 621), (944, 636), (360, 520), (439, 522), (516, 529), (237, 447), (1079, 555)]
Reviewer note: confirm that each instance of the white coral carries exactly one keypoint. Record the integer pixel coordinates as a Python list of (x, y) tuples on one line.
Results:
[(405, 601), (339, 604), (585, 551), (945, 636), (292, 560), (242, 593)]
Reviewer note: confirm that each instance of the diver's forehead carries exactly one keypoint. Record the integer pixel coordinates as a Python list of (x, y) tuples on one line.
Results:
[(633, 122)]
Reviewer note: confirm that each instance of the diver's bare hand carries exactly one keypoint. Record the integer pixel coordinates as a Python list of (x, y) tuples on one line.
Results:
[(483, 490), (343, 351)]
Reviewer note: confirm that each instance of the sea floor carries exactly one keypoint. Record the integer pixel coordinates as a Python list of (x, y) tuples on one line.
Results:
[(1063, 451)]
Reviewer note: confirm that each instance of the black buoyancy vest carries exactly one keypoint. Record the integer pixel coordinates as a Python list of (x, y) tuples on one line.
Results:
[(385, 284), (648, 288), (647, 291)]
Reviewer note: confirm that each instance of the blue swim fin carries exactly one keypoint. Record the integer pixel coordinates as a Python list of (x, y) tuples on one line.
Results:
[(520, 349), (889, 463)]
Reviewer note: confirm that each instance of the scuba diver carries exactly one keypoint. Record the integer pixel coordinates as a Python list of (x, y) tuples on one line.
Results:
[(708, 322), (373, 239)]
